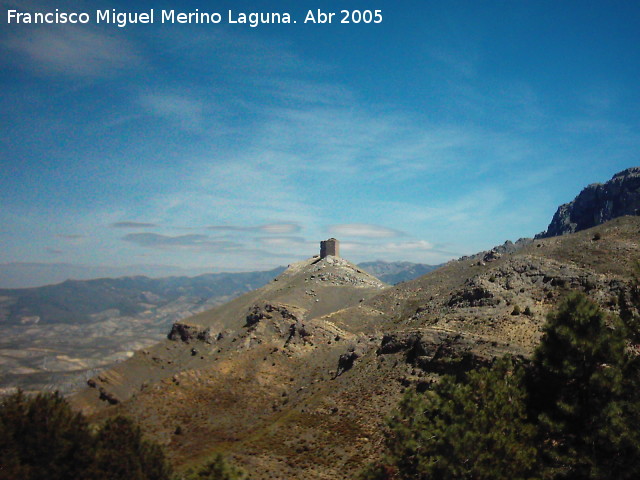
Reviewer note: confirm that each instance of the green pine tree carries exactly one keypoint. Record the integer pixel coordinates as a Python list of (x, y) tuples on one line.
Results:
[(629, 303), (42, 438), (472, 429), (122, 454), (585, 395)]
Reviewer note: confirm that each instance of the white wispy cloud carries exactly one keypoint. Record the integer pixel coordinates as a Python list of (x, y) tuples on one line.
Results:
[(280, 228), (71, 52), (269, 228), (156, 240), (283, 241), (297, 159), (416, 250), (413, 245), (70, 240), (70, 236), (133, 225), (308, 146), (305, 92), (363, 230), (466, 64)]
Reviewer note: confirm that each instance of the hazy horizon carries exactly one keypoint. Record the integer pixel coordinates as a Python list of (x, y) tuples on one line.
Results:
[(15, 275)]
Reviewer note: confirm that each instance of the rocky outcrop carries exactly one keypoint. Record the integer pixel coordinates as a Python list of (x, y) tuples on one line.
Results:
[(442, 352), (499, 250), (598, 203), (472, 295), (298, 330), (267, 311), (346, 360), (336, 271), (185, 332)]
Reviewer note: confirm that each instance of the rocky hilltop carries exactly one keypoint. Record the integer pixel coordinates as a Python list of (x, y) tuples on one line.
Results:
[(597, 204), (290, 315)]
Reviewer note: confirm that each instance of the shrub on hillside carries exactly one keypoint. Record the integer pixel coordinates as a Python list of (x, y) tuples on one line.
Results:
[(41, 438), (217, 468)]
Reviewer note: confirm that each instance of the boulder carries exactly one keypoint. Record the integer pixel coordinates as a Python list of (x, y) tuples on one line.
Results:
[(185, 332)]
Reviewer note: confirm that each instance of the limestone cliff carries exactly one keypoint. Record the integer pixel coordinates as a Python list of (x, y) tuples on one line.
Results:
[(598, 203)]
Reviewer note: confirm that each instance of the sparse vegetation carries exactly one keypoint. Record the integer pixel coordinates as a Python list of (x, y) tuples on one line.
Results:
[(330, 428), (629, 303), (217, 468)]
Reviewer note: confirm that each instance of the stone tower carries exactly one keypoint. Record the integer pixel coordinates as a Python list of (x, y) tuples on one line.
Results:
[(329, 247)]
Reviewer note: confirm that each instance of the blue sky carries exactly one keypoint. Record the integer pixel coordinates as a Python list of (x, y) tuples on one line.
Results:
[(446, 129)]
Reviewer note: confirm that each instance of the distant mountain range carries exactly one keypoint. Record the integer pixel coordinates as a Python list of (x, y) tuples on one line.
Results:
[(396, 272), (80, 301), (77, 301), (37, 274), (51, 337)]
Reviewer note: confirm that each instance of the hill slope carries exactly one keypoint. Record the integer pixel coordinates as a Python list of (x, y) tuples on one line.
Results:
[(295, 379)]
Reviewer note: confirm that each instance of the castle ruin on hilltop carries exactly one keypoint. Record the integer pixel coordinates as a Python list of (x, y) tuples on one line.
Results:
[(329, 247)]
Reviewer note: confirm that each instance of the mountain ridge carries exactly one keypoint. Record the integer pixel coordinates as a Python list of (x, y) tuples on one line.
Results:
[(289, 394)]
